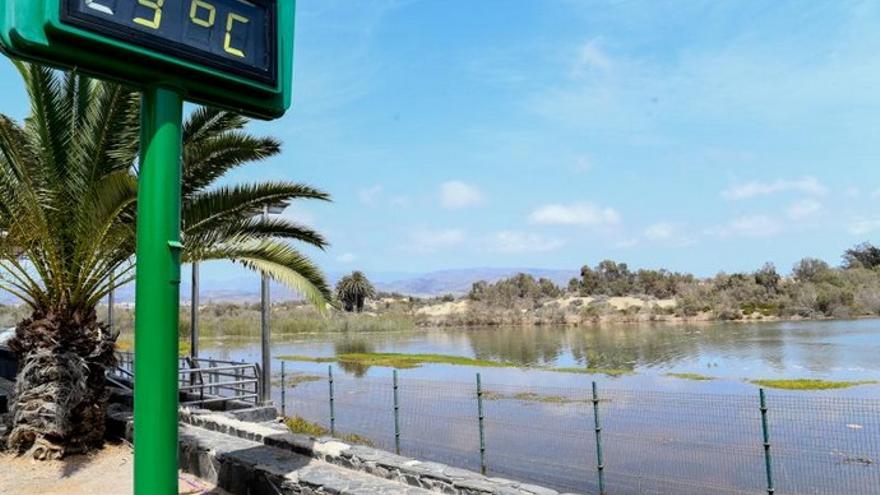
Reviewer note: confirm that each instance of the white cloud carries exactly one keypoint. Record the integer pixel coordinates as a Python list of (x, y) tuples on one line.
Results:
[(522, 242), (753, 80), (346, 258), (456, 194), (803, 209), (862, 227), (370, 195), (806, 185), (748, 226), (590, 57), (668, 233), (585, 214), (429, 241), (627, 243), (660, 231)]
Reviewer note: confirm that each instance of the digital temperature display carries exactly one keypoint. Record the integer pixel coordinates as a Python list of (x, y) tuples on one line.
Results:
[(237, 36)]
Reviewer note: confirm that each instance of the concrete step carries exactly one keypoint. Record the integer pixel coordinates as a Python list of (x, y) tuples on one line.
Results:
[(251, 468)]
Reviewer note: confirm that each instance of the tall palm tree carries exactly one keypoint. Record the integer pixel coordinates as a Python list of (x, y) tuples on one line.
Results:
[(68, 192), (353, 291)]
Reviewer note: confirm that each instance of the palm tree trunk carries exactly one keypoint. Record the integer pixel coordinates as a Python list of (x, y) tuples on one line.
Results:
[(59, 403)]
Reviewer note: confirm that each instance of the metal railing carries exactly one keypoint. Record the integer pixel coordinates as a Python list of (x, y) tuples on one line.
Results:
[(202, 381)]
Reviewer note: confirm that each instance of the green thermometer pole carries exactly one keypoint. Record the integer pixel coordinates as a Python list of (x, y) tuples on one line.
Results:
[(158, 294)]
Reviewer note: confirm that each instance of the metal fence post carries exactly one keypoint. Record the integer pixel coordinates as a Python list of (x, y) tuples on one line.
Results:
[(212, 378), (768, 463), (600, 465), (332, 405), (259, 379), (238, 378), (283, 392), (396, 416), (481, 419)]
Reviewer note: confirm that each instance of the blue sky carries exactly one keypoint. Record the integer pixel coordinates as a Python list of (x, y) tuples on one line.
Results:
[(694, 135)]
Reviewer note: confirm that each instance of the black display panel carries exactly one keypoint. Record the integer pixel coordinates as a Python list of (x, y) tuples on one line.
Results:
[(234, 36)]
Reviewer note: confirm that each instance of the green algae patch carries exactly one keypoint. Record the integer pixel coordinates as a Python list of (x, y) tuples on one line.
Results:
[(406, 361), (610, 372), (399, 361), (409, 361), (691, 376), (302, 426), (298, 379), (533, 397), (307, 359), (808, 384)]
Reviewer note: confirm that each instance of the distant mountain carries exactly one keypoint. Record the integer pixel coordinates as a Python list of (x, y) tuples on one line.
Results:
[(247, 288), (458, 282)]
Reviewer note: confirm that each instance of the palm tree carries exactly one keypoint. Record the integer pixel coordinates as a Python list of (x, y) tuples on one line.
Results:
[(353, 290), (68, 184)]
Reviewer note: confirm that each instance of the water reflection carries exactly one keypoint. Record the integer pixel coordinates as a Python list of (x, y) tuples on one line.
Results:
[(528, 346), (817, 347), (353, 345), (619, 347), (830, 350)]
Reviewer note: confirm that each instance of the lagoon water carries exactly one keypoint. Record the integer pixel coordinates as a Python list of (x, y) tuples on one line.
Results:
[(733, 353), (661, 434)]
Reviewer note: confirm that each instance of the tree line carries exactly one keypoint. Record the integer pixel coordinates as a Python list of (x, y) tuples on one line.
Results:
[(813, 289)]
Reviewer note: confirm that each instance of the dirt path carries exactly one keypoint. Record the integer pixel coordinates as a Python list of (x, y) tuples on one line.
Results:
[(108, 472)]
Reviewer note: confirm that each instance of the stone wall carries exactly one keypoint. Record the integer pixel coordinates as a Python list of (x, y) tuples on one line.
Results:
[(253, 458), (429, 476)]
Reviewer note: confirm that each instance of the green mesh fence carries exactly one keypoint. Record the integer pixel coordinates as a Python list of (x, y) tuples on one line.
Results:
[(651, 442)]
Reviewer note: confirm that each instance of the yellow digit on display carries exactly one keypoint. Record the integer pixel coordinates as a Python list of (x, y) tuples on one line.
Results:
[(156, 21), (104, 9), (194, 13), (230, 22)]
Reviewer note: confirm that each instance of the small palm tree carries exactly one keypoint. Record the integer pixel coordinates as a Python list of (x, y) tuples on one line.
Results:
[(353, 291), (68, 191)]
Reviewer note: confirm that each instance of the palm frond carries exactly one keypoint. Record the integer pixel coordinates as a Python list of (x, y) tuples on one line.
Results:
[(102, 241), (242, 201), (206, 122), (207, 160), (68, 192), (109, 132), (279, 261), (48, 122), (252, 228)]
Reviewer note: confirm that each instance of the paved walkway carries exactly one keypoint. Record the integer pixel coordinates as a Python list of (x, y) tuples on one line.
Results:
[(108, 472)]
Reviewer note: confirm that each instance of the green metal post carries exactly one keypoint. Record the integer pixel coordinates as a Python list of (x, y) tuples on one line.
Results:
[(396, 416), (768, 462), (600, 463), (283, 392), (481, 418), (332, 405), (158, 294)]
